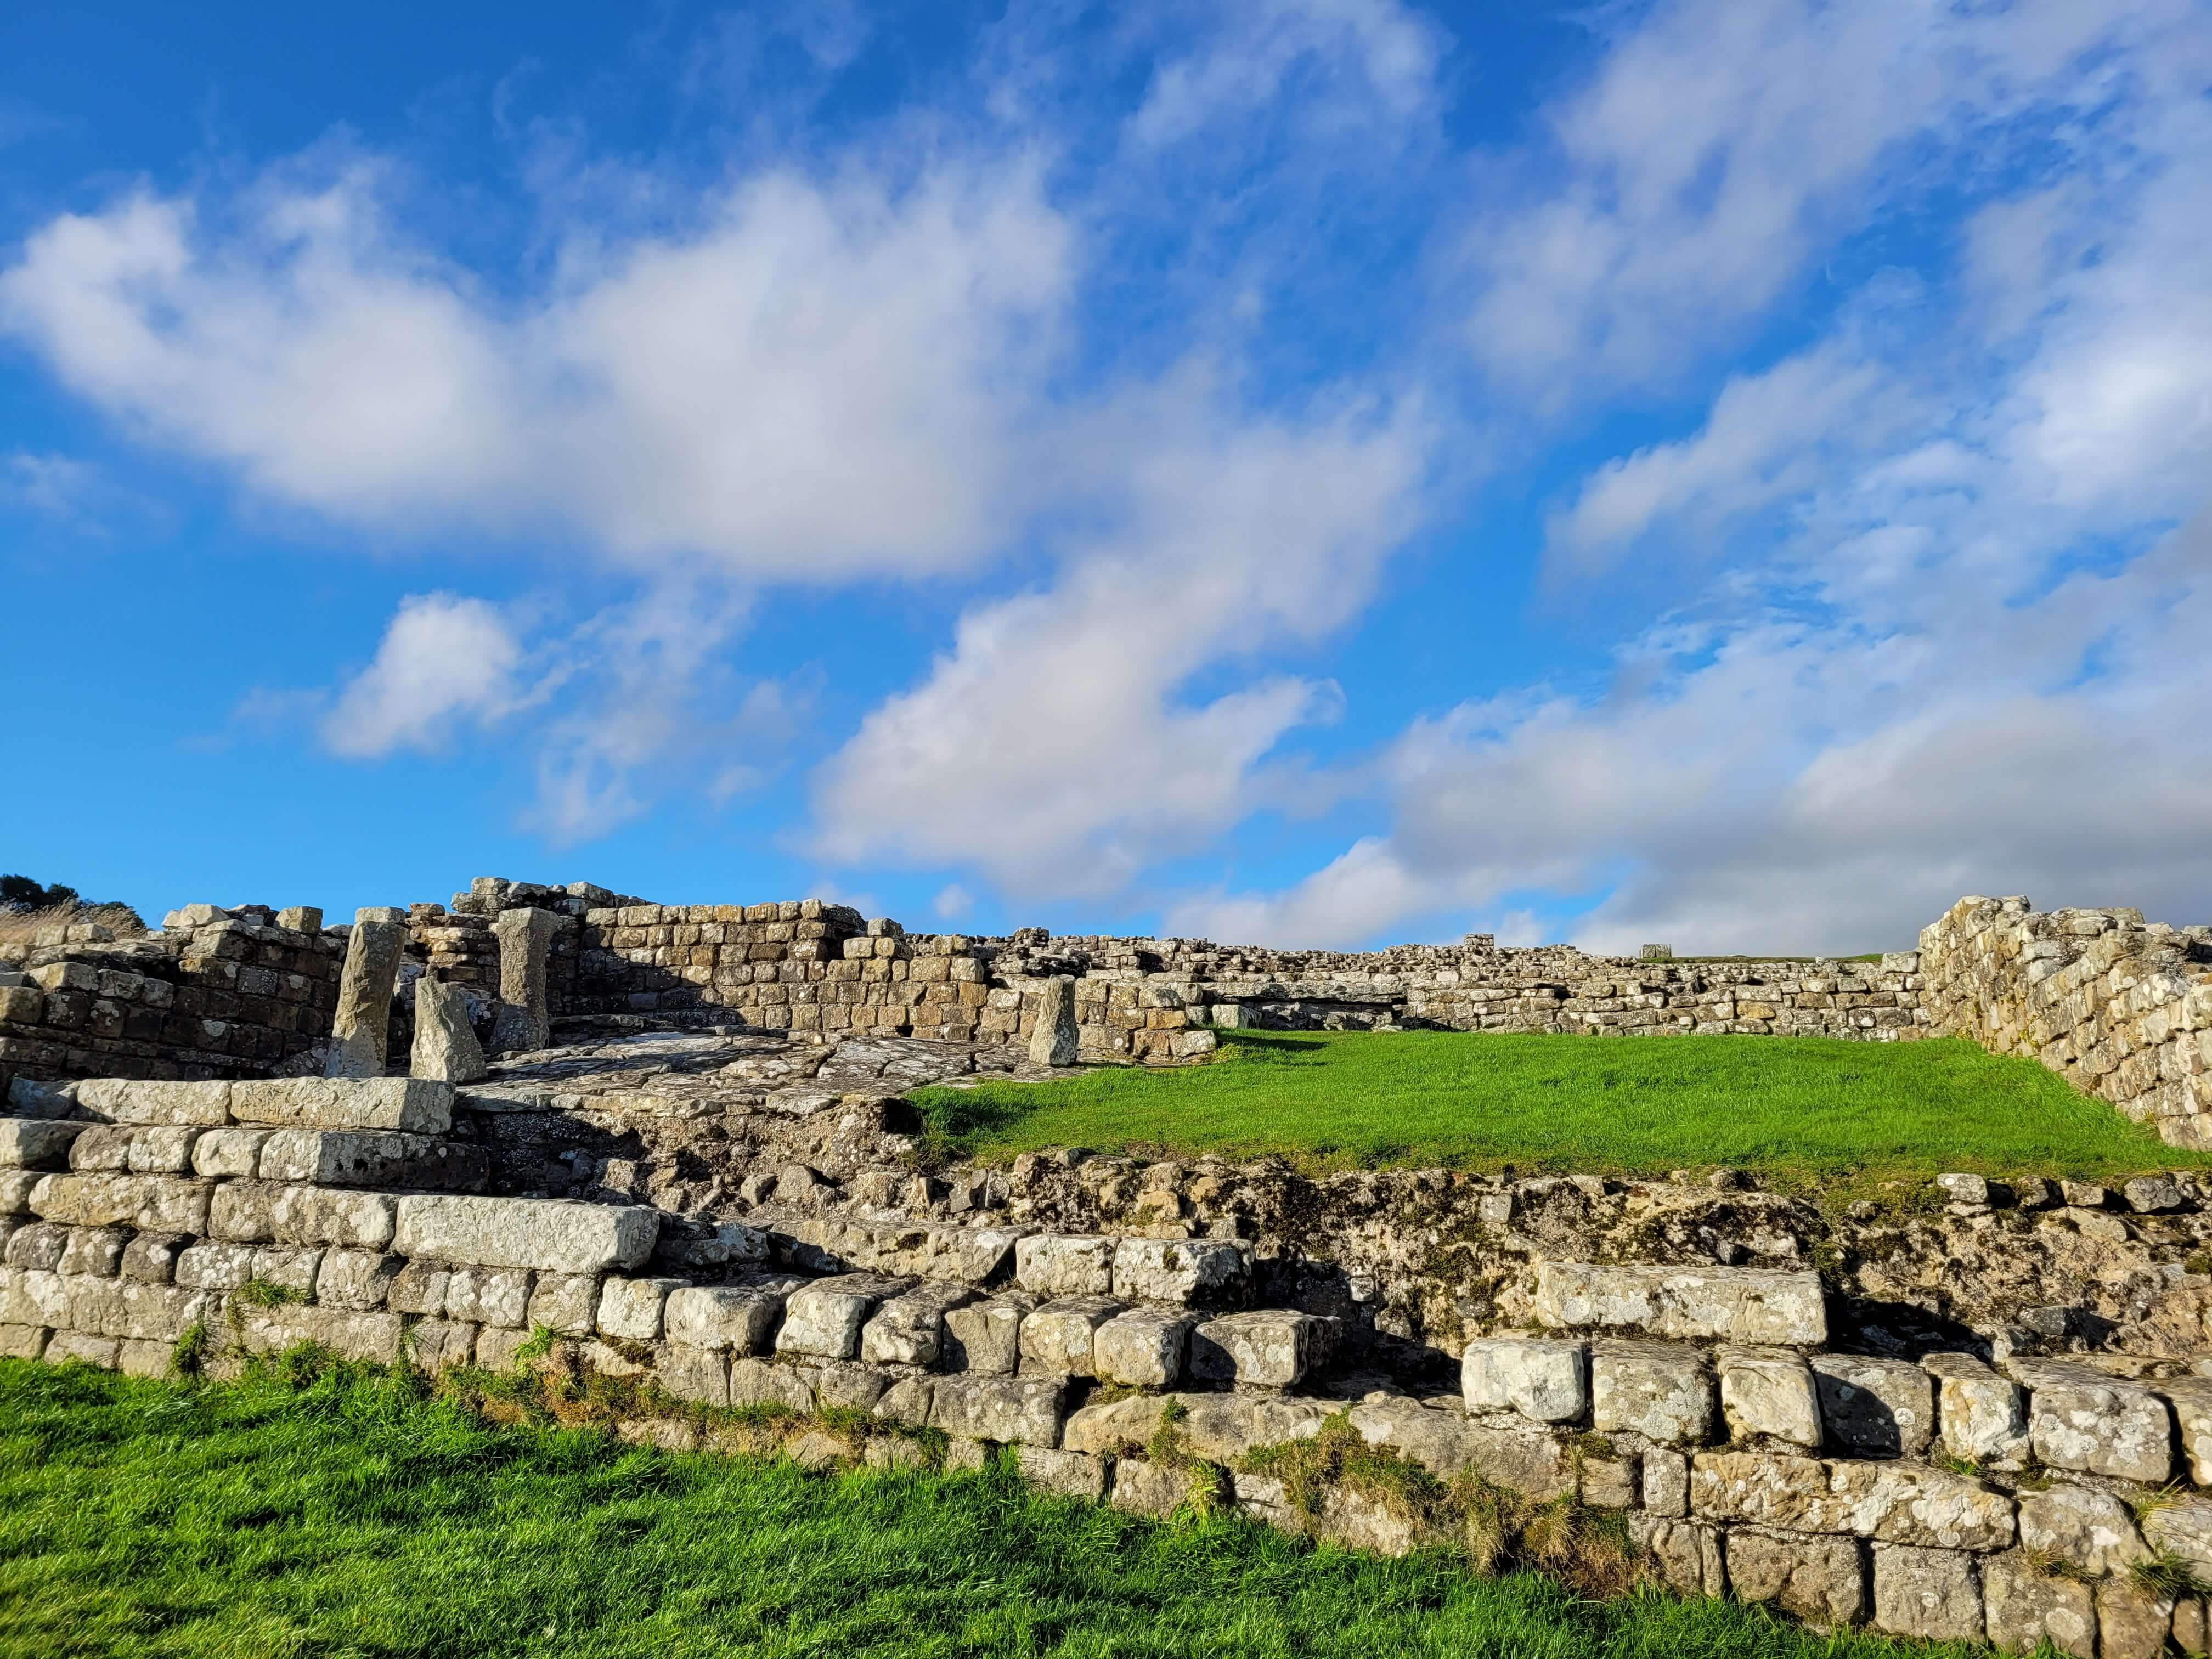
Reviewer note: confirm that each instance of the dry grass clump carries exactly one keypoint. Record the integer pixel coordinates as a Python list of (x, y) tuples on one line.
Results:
[(24, 926)]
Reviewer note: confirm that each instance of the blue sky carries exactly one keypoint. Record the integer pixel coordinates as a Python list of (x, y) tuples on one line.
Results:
[(1317, 471)]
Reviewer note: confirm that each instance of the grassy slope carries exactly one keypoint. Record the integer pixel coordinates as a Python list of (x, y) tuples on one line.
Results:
[(353, 1519), (1807, 1109)]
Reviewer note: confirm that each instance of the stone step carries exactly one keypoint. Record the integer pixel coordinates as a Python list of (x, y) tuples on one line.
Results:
[(415, 1105)]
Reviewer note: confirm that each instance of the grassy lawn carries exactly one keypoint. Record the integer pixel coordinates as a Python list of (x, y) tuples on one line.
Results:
[(351, 1516), (1801, 1111)]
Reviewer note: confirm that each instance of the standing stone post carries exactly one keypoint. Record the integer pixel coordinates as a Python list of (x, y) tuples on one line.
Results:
[(525, 1016), (1055, 1041), (362, 1027), (446, 1046)]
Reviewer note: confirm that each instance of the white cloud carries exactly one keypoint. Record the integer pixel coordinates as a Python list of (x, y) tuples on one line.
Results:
[(1355, 63), (1690, 182), (820, 378), (1055, 749), (1948, 665), (444, 662), (54, 486), (952, 902)]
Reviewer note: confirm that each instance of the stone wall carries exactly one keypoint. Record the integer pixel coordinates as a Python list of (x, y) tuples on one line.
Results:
[(1711, 1407), (2120, 1008), (815, 968), (214, 993)]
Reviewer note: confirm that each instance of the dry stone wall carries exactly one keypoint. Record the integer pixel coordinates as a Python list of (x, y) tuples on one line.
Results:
[(1711, 1407), (2120, 1008)]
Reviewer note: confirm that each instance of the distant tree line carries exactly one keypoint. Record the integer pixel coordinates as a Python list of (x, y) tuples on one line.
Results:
[(20, 893)]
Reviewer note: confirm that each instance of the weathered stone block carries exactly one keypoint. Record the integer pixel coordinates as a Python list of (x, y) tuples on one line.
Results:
[(229, 1154), (446, 1049), (630, 1307), (1057, 1339), (1142, 1349), (2026, 1607), (1064, 1473), (1935, 1595), (22, 1341), (1527, 1460), (1023, 1410), (909, 1329), (2080, 1418), (214, 1267), (1666, 1482), (81, 1348), (161, 1204), (738, 1319), (162, 1149), (357, 1279), (1912, 1504), (2086, 1528), (1270, 1348), (117, 1100), (2132, 1621), (1185, 1272), (567, 1305), (1822, 1581), (2182, 1527), (700, 1374), (2191, 1397), (1056, 1038), (1056, 1264), (489, 1295), (760, 1382), (1149, 1489), (1981, 1417), (1651, 1388), (1878, 1407), (1545, 1381), (437, 1344), (352, 1157), (416, 1105), (986, 1337), (31, 1143), (525, 939), (361, 1023), (326, 1215), (1769, 1394), (288, 1268), (151, 1258), (93, 1253), (375, 1337), (1736, 1304), (1685, 1555), (825, 1317), (552, 1236)]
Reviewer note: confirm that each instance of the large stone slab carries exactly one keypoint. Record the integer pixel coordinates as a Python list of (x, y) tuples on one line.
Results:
[(417, 1105), (2089, 1529), (1894, 1503), (1773, 1306), (355, 1158), (1529, 1462), (1065, 1264), (123, 1100), (158, 1204), (1056, 1038), (526, 938), (551, 1235)]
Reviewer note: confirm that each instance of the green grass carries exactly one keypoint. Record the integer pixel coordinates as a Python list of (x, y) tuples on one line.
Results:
[(1800, 1110), (352, 1515)]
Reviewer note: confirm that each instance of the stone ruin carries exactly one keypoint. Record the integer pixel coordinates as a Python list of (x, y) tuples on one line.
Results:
[(560, 1127)]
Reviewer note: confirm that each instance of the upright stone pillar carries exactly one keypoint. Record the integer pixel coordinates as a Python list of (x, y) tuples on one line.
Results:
[(1055, 1041), (446, 1046), (524, 1015), (361, 1028)]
